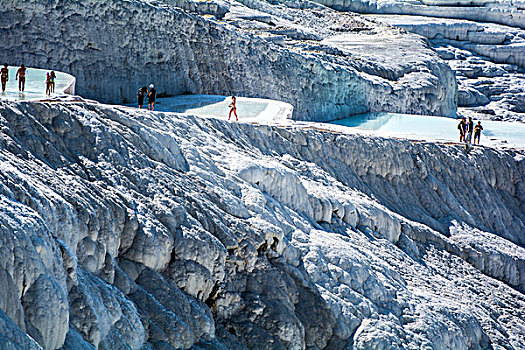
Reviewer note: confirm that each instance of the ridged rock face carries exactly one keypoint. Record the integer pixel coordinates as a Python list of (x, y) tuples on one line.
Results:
[(126, 229), (502, 12), (483, 42), (328, 65)]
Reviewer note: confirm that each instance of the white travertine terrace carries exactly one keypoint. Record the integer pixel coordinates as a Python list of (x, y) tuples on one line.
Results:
[(123, 228)]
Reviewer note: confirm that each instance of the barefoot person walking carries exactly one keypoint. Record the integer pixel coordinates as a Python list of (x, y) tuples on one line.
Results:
[(4, 76), (21, 77), (462, 127), (143, 91), (53, 77), (151, 97), (48, 84), (233, 109), (470, 129), (477, 132)]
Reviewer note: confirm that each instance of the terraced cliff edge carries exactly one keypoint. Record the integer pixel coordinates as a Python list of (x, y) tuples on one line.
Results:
[(482, 40), (327, 64), (135, 230)]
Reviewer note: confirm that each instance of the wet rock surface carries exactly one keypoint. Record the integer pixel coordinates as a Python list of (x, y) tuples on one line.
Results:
[(162, 231), (328, 65), (126, 229)]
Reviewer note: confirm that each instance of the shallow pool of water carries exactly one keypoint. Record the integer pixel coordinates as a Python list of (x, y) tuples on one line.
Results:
[(434, 128), (248, 109), (213, 106)]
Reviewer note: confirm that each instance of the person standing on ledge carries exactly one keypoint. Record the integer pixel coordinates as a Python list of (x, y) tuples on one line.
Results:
[(470, 129), (477, 132), (233, 109), (53, 77), (48, 84), (4, 76), (151, 97), (462, 128), (143, 91), (21, 76)]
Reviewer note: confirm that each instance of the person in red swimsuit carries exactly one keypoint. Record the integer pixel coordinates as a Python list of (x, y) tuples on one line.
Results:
[(233, 109), (21, 73), (4, 76)]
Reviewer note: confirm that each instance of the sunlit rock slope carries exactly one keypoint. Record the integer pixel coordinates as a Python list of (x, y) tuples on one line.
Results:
[(327, 64), (122, 229)]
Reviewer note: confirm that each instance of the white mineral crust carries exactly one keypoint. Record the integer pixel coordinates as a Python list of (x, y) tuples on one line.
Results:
[(128, 229), (284, 53)]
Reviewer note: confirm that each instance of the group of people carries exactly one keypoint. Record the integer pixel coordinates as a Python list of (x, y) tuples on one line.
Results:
[(151, 94), (466, 129), (20, 76)]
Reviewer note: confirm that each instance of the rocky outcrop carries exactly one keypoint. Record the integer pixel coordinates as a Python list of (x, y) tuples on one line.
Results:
[(488, 58), (130, 229), (501, 44), (325, 64), (499, 11), (216, 9)]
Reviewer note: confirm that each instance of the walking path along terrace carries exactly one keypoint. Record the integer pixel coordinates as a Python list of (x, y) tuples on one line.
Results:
[(266, 111)]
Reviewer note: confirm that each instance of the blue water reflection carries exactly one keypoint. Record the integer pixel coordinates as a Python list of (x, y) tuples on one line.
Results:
[(433, 128)]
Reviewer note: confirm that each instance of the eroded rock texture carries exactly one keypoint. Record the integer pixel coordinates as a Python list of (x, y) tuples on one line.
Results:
[(129, 229), (327, 64), (483, 42)]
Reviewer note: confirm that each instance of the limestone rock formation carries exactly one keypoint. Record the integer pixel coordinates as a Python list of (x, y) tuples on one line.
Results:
[(129, 229), (328, 65), (489, 61), (504, 12), (483, 42)]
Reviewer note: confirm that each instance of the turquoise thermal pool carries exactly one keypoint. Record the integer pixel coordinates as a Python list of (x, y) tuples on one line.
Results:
[(35, 87), (434, 128), (248, 109)]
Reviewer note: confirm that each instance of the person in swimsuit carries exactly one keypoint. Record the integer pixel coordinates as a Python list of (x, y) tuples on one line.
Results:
[(233, 109), (21, 76), (477, 132), (53, 78), (152, 94), (140, 95), (48, 84), (4, 76), (462, 127)]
